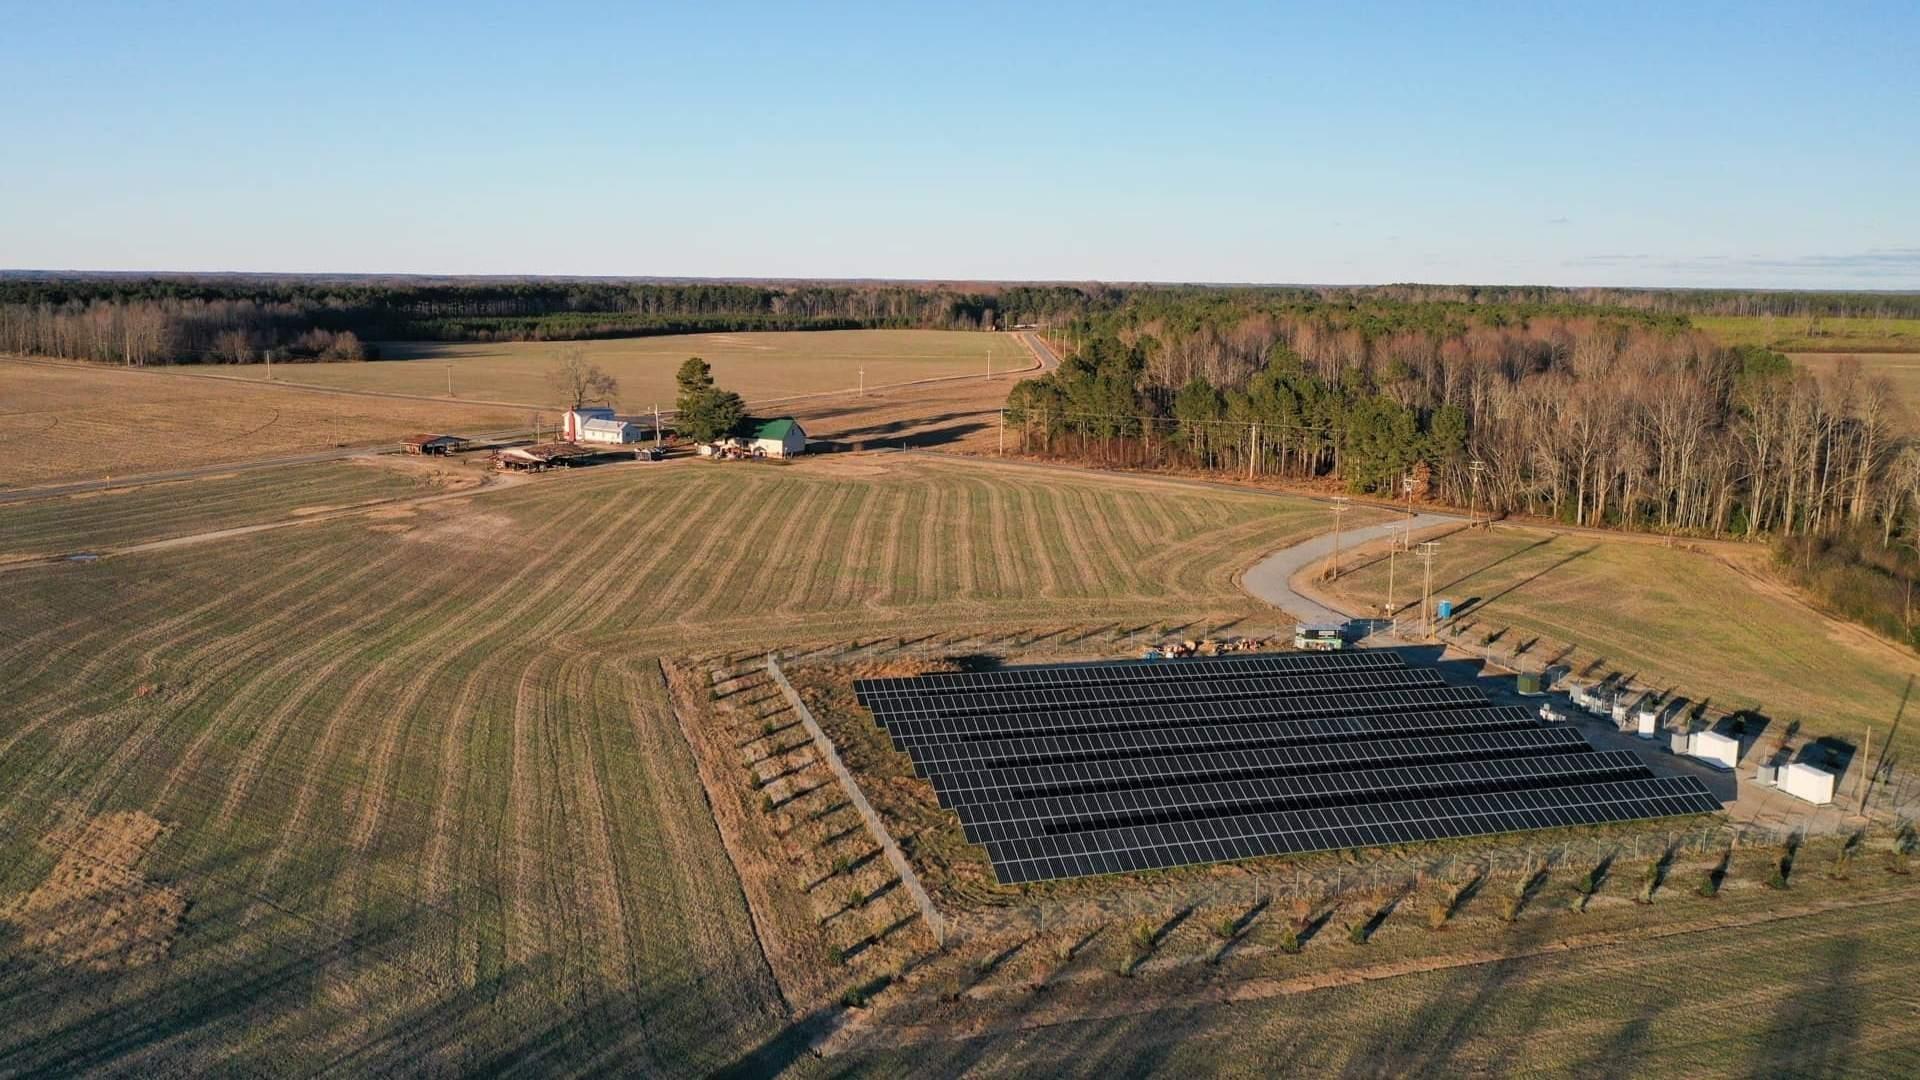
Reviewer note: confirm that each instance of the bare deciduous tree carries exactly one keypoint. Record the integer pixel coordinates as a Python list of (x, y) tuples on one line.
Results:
[(579, 381)]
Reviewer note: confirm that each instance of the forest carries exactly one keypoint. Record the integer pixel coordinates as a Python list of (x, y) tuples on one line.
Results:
[(237, 319), (242, 318), (1596, 416)]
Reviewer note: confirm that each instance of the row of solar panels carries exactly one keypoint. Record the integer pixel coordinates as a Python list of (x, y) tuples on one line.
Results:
[(1092, 754), (1053, 815), (960, 788), (1157, 847), (890, 708), (1037, 678), (1249, 734), (1186, 714)]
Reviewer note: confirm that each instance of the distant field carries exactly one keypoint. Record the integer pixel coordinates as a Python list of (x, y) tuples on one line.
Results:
[(404, 792), (1900, 369), (85, 422), (1822, 335), (1669, 618), (754, 365)]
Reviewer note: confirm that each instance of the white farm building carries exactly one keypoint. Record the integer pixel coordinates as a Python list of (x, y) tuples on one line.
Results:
[(608, 430), (572, 425), (777, 438)]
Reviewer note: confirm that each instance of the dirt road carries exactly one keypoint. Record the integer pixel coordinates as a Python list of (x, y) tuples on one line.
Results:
[(1271, 579)]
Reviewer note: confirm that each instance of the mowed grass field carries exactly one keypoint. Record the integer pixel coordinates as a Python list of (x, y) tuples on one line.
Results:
[(404, 791), (1668, 617), (64, 422), (756, 366), (101, 520), (1827, 994), (1824, 335)]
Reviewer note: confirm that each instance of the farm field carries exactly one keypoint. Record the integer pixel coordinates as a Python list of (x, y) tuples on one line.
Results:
[(1821, 335), (1667, 617), (1825, 994), (405, 790), (71, 421), (100, 520), (1900, 369), (755, 365)]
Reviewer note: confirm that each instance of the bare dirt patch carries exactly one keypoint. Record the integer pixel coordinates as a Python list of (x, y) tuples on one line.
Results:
[(861, 466), (464, 530), (96, 909)]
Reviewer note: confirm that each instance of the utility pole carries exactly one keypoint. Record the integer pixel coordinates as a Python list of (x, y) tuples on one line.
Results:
[(1426, 604), (863, 382), (268, 357), (656, 425), (449, 380), (1340, 508), (1253, 443), (1003, 433), (1391, 551), (1478, 467), (1406, 485)]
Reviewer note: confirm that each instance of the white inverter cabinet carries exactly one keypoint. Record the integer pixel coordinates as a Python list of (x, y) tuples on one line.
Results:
[(1720, 751), (1803, 781)]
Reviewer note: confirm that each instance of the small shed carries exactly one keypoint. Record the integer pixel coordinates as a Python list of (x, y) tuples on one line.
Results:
[(777, 438), (575, 420), (428, 443), (542, 457), (610, 431)]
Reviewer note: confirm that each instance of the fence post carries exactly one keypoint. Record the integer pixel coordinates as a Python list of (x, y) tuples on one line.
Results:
[(895, 858)]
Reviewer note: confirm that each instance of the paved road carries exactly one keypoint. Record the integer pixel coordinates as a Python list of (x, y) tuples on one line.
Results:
[(1271, 578), (1041, 350)]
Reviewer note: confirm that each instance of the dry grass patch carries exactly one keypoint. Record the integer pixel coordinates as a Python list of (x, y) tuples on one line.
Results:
[(96, 909)]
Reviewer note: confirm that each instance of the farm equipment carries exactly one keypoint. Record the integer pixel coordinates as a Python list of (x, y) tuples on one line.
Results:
[(1320, 637)]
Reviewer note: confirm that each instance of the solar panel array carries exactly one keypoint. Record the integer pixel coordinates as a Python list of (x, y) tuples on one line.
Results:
[(1071, 770)]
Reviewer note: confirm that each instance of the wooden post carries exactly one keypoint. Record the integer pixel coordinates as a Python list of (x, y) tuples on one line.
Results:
[(1866, 778), (1340, 507), (875, 827), (1426, 603)]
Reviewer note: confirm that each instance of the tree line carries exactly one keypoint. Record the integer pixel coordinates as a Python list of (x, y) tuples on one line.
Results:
[(176, 319), (1599, 418), (171, 318)]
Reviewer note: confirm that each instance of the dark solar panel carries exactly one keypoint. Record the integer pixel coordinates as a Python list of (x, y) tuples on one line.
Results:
[(1128, 671), (1152, 847), (1108, 768), (961, 787), (1047, 749), (1062, 814), (891, 710), (906, 732)]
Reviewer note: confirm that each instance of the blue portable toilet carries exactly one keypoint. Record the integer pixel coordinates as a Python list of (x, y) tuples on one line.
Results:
[(1446, 609)]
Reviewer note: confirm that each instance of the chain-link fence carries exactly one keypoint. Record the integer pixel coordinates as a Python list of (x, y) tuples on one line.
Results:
[(1390, 875), (1315, 880)]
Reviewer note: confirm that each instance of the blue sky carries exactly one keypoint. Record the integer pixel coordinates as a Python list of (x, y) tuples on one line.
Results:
[(1670, 144)]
